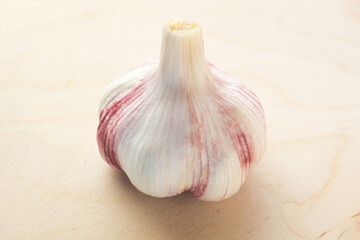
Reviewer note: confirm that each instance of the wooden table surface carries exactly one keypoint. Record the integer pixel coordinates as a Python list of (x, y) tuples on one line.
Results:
[(302, 58)]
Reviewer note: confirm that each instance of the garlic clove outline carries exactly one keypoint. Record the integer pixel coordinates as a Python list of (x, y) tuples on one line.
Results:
[(179, 124)]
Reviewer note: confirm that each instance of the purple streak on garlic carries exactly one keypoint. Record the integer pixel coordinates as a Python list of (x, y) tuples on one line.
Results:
[(179, 124)]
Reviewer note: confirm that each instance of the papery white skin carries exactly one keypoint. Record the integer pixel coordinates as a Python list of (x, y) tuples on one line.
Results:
[(179, 124)]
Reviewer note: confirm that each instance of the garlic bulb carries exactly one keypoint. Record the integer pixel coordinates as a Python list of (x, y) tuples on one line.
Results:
[(179, 124)]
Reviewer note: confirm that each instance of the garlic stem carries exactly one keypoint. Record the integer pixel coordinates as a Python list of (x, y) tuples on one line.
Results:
[(182, 58)]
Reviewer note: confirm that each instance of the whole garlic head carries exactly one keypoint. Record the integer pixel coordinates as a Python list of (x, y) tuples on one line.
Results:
[(179, 124)]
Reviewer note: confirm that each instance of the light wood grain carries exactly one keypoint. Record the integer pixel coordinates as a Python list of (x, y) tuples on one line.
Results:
[(301, 57)]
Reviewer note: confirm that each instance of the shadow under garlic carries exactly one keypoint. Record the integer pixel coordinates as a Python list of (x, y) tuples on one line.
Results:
[(186, 217)]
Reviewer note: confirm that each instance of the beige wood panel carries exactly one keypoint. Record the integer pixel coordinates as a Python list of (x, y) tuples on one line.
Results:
[(301, 57)]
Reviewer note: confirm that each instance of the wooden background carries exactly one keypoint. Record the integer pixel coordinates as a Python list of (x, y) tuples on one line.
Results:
[(301, 57)]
